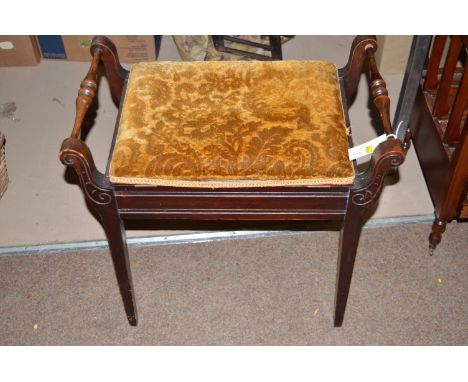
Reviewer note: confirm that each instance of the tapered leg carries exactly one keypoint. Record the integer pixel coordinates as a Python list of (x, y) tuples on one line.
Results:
[(115, 233), (349, 240), (438, 228), (100, 194)]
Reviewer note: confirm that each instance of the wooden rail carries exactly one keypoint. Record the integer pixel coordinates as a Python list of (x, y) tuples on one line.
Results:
[(379, 91), (86, 94), (448, 85)]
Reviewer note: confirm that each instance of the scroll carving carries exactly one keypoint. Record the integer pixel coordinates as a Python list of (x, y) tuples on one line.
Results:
[(76, 154), (96, 194), (366, 195)]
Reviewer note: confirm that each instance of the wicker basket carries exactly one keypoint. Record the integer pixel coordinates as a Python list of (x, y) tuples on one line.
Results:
[(3, 167)]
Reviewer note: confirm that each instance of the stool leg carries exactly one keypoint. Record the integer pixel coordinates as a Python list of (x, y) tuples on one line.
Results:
[(438, 228), (115, 233), (349, 240)]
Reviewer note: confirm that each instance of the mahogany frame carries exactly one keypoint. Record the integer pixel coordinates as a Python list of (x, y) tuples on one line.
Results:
[(347, 204)]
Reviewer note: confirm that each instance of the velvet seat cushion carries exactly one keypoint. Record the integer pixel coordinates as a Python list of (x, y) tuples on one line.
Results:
[(232, 124)]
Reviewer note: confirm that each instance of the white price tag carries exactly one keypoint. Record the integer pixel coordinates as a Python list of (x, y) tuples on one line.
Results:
[(366, 148)]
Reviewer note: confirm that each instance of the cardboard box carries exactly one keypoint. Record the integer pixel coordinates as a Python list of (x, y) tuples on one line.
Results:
[(76, 48), (52, 47), (19, 51)]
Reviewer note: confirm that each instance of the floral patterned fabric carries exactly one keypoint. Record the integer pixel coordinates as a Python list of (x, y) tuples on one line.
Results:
[(232, 124)]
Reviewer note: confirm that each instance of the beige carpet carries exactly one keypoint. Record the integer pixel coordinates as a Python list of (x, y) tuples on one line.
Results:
[(269, 291)]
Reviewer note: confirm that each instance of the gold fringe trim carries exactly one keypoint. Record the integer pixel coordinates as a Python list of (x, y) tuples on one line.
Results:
[(233, 184)]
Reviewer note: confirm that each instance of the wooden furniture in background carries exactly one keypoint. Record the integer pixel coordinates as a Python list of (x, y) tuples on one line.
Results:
[(439, 129), (270, 44), (348, 204)]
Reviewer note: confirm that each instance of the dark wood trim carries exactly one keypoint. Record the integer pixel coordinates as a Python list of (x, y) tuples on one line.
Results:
[(116, 129), (429, 148), (115, 73), (86, 94), (100, 195), (379, 93), (363, 196), (351, 73), (348, 204), (439, 127), (457, 175), (452, 132), (349, 241), (417, 61), (442, 105), (276, 48), (438, 228), (115, 233), (432, 79)]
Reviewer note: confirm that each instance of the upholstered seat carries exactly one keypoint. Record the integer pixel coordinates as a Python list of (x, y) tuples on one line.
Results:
[(198, 128), (232, 124)]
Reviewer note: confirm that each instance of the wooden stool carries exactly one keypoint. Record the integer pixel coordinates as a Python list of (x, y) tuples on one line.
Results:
[(233, 141)]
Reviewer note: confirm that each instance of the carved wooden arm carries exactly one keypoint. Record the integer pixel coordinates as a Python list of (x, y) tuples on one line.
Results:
[(86, 94), (351, 73), (115, 73), (389, 154), (378, 89), (102, 49), (392, 147), (364, 47), (368, 185), (74, 152)]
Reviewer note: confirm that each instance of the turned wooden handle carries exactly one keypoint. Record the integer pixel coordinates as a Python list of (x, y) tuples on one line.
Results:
[(86, 94), (378, 89)]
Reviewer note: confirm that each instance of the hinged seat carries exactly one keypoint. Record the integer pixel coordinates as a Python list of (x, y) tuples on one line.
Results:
[(233, 141), (232, 124)]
